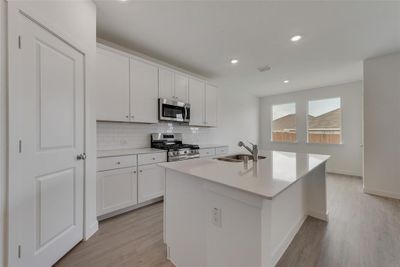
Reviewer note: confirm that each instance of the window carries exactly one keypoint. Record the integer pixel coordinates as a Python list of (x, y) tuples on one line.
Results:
[(283, 124), (324, 123)]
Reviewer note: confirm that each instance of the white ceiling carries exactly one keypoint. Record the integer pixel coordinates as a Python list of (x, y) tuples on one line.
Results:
[(202, 37)]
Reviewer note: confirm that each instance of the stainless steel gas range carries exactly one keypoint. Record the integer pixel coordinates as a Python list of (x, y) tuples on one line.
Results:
[(172, 142)]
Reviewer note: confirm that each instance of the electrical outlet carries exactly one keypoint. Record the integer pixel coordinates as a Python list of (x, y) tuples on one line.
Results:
[(216, 217)]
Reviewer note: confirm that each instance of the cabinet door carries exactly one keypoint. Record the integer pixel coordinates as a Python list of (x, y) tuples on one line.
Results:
[(112, 86), (181, 88), (196, 100), (151, 181), (211, 105), (165, 83), (144, 92), (207, 152), (116, 189)]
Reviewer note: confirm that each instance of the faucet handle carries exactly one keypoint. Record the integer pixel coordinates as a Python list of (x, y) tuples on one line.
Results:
[(250, 143)]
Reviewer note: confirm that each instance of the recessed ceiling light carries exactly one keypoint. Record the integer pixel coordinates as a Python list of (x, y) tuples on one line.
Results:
[(234, 61), (295, 38), (123, 0), (286, 81)]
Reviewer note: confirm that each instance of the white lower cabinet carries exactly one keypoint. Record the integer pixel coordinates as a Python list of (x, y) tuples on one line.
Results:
[(151, 179), (123, 182), (207, 152), (221, 150), (116, 189)]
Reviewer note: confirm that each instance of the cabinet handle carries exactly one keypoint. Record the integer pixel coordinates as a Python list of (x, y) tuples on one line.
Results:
[(118, 163), (127, 116), (154, 158), (134, 171)]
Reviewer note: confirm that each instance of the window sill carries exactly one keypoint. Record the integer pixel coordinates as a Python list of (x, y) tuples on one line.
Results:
[(323, 144), (284, 142)]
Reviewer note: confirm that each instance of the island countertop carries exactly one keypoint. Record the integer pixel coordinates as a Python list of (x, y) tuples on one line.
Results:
[(266, 178)]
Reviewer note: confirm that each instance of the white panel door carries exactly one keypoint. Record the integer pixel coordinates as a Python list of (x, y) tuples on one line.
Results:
[(165, 83), (144, 92), (211, 105), (116, 189), (151, 181), (112, 86), (181, 88), (196, 100), (48, 110)]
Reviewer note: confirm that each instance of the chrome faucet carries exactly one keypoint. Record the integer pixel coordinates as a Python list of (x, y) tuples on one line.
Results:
[(253, 150)]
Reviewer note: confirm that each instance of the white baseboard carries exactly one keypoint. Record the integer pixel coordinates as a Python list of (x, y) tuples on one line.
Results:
[(344, 172), (278, 252), (319, 215), (91, 230), (381, 193)]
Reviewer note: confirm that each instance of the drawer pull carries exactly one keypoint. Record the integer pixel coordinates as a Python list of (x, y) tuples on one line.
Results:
[(154, 158), (118, 162), (134, 171), (140, 171)]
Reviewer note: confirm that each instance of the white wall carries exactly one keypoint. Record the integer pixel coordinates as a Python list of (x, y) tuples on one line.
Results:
[(75, 21), (382, 125), (3, 124), (237, 120), (347, 157)]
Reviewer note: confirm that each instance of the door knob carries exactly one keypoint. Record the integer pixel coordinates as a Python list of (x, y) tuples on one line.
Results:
[(81, 156)]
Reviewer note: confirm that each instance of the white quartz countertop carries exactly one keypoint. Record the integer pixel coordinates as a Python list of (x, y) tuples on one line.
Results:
[(127, 151), (210, 145), (266, 178)]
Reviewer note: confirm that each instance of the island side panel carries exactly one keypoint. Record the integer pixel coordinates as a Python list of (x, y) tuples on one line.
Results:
[(185, 220), (194, 239), (316, 193), (235, 240), (288, 211)]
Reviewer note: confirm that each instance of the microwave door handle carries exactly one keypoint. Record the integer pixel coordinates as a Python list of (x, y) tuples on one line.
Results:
[(186, 113)]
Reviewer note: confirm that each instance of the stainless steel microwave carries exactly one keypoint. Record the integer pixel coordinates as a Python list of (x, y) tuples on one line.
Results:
[(172, 110)]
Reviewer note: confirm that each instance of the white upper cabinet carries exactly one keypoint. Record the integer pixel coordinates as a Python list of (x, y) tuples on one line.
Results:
[(173, 85), (144, 92), (196, 100), (166, 87), (181, 87), (112, 86), (128, 88), (211, 105), (203, 103)]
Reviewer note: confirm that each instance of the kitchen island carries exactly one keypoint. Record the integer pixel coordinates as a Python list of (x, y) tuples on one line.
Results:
[(219, 213)]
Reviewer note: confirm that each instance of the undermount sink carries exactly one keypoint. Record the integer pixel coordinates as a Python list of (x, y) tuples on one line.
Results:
[(239, 158)]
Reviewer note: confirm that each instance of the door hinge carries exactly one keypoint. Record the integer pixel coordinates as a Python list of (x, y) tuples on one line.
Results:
[(20, 146), (19, 251), (19, 41)]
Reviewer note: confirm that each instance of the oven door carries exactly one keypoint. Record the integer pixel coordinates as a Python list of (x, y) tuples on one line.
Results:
[(171, 110)]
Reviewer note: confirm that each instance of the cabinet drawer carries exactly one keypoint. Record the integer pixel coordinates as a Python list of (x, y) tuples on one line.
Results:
[(221, 150), (110, 163), (144, 159), (207, 152)]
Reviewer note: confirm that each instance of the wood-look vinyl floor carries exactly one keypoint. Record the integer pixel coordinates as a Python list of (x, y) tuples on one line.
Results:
[(363, 230)]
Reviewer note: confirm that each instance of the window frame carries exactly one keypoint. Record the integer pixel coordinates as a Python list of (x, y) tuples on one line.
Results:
[(341, 120), (295, 121)]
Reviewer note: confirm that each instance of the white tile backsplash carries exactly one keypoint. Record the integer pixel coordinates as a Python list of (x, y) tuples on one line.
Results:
[(115, 135)]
